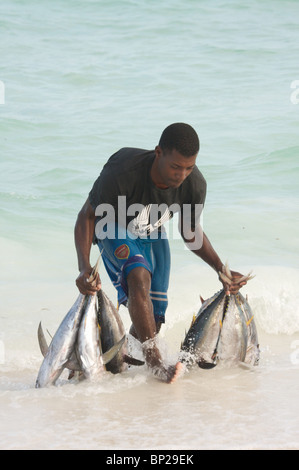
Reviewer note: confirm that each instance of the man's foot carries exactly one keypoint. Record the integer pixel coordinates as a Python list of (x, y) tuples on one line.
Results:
[(177, 371), (169, 374)]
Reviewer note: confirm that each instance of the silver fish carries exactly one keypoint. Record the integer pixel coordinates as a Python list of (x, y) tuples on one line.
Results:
[(253, 351), (111, 332), (72, 363), (88, 347), (201, 341), (252, 354), (223, 330), (88, 356), (62, 345), (233, 339)]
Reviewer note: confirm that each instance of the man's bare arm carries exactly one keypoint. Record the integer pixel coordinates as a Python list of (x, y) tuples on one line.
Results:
[(84, 231), (204, 249)]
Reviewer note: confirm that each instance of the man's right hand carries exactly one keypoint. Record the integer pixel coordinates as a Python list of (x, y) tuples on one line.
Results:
[(85, 286)]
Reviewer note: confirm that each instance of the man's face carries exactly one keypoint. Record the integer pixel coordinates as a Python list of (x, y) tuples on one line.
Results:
[(173, 168)]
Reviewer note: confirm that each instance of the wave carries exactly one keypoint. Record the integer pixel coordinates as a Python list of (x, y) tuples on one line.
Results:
[(272, 294), (278, 169)]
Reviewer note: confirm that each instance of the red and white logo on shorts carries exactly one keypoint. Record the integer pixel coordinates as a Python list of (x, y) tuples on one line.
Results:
[(122, 252)]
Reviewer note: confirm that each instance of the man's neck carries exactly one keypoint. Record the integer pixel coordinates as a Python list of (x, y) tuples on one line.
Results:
[(155, 176)]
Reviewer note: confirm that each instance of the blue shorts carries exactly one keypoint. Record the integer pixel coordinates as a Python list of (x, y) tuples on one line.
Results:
[(124, 253)]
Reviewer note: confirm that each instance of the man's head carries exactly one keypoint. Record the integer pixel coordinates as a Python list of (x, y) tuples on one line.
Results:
[(175, 155), (180, 137)]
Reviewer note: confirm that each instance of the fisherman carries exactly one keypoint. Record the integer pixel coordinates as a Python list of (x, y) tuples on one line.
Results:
[(135, 194)]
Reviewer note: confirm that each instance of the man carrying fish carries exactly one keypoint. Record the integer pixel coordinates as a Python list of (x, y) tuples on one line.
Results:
[(135, 194)]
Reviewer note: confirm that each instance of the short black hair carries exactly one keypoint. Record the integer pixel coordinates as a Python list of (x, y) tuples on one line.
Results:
[(180, 137)]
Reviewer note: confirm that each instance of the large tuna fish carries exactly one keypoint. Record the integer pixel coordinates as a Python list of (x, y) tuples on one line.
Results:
[(91, 336), (223, 330), (111, 331), (62, 345), (88, 346)]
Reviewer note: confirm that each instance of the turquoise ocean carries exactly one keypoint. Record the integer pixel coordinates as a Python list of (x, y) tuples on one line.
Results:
[(81, 79)]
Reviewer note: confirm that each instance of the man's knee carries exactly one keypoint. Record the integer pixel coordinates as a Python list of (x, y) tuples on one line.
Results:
[(139, 279)]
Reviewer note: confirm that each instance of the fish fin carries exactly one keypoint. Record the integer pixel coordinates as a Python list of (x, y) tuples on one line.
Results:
[(132, 361), (193, 320), (225, 278), (111, 353), (42, 340), (95, 270), (226, 271), (202, 300), (220, 323), (249, 321), (49, 334), (246, 278)]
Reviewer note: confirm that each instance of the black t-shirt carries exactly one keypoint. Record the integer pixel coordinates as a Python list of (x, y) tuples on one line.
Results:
[(125, 181)]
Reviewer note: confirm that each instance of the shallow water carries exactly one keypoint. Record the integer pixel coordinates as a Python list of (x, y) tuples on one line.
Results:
[(237, 407)]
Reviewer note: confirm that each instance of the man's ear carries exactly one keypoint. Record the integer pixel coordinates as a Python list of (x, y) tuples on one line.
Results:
[(158, 151)]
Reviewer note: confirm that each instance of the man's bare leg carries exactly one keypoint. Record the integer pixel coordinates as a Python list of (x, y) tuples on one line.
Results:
[(133, 331), (144, 325)]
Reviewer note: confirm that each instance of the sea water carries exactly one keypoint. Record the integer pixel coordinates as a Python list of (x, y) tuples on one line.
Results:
[(81, 79)]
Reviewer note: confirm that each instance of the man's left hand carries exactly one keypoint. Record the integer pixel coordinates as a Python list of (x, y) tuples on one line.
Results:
[(234, 285)]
